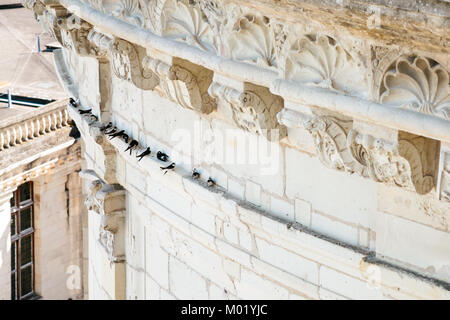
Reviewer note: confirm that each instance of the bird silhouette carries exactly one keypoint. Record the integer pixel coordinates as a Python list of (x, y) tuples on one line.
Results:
[(162, 156), (111, 131), (210, 182), (106, 127), (169, 167), (117, 134), (93, 117), (143, 154), (132, 144), (125, 137), (195, 174), (73, 102), (84, 111)]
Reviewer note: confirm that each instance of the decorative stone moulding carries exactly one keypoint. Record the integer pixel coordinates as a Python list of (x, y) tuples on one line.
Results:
[(127, 64), (254, 108), (182, 82), (109, 202), (126, 58), (408, 161), (416, 83), (321, 61), (187, 42), (28, 175), (29, 129)]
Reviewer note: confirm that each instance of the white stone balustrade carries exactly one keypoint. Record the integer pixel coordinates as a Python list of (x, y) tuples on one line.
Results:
[(34, 127)]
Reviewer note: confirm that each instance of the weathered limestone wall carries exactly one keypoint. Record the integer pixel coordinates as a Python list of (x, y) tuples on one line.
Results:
[(58, 243), (36, 147), (349, 201)]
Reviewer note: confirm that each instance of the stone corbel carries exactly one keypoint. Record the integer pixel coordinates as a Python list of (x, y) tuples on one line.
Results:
[(47, 14), (182, 82), (75, 35), (443, 189), (127, 64), (405, 160), (109, 202), (254, 108), (408, 161)]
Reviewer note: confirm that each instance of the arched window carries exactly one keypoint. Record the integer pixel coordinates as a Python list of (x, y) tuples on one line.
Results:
[(22, 242)]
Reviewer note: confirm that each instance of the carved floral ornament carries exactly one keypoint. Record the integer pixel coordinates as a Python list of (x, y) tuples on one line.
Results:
[(403, 163), (252, 111)]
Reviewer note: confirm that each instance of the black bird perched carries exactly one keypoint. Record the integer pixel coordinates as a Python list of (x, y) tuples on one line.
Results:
[(106, 127), (117, 134), (143, 154), (195, 174), (132, 144), (125, 137), (211, 182), (85, 111), (162, 156), (93, 117), (169, 167), (111, 131), (74, 133), (73, 102)]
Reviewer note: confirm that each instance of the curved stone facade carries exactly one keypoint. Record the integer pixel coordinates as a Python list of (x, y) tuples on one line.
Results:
[(309, 143)]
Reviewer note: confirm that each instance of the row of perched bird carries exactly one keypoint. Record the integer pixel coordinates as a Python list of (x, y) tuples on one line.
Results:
[(113, 132)]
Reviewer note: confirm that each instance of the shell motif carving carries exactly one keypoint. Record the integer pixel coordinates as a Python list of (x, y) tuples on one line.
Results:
[(321, 61), (130, 11), (419, 84), (187, 23), (252, 39)]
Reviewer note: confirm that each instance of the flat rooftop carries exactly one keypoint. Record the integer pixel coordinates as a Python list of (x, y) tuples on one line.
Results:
[(23, 69)]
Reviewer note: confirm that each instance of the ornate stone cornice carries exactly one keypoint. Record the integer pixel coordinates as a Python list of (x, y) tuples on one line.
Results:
[(66, 157), (230, 39), (178, 47)]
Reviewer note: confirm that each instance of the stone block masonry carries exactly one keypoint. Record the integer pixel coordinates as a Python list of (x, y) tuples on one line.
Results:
[(347, 201)]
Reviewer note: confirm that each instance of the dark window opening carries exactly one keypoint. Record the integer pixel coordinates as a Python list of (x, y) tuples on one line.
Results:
[(22, 243), (25, 101)]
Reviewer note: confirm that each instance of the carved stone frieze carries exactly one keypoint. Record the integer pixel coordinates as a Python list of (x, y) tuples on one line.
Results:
[(407, 162), (254, 39), (253, 110), (109, 202), (184, 21), (183, 83), (321, 61), (417, 83)]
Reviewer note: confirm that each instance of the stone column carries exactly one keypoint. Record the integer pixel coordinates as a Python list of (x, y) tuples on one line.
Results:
[(5, 244)]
